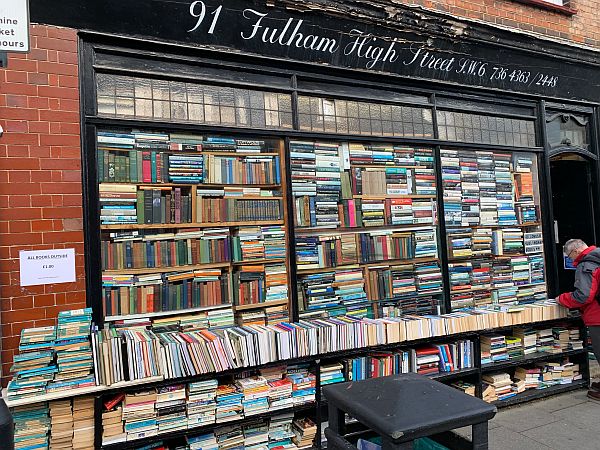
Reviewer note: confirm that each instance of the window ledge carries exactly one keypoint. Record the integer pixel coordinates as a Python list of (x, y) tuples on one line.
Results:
[(567, 11)]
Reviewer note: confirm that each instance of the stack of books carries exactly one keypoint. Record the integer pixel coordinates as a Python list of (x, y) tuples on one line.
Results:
[(501, 383), (229, 437), (514, 347), (305, 431), (256, 435), (73, 349), (206, 441), (493, 349), (332, 373), (544, 341), (61, 429), (171, 408), (83, 423), (255, 392), (31, 426), (201, 402), (35, 366), (303, 384), (118, 203), (139, 415), (529, 376), (113, 430), (426, 360), (528, 339), (281, 432), (229, 403)]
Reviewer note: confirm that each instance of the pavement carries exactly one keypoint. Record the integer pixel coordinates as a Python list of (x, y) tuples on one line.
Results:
[(567, 421)]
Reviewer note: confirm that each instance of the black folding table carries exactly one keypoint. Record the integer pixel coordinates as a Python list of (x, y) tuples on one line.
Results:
[(405, 407)]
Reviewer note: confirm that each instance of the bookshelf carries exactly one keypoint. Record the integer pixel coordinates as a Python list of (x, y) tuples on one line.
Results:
[(192, 223), (361, 209), (493, 229)]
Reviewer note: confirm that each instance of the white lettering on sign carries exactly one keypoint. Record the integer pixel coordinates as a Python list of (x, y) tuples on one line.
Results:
[(14, 26), (360, 48)]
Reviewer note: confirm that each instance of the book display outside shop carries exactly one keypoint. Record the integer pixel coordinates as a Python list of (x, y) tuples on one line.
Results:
[(260, 222)]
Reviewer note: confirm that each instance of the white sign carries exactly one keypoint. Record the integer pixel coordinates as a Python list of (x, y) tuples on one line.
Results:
[(47, 266), (14, 26)]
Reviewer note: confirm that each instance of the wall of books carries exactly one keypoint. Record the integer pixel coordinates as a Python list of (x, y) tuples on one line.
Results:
[(199, 224), (192, 223), (493, 230), (365, 229)]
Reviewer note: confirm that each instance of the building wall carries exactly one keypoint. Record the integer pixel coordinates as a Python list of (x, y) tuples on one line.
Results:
[(581, 27), (40, 179)]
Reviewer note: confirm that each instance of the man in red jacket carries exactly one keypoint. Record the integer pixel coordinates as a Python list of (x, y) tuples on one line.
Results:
[(585, 296)]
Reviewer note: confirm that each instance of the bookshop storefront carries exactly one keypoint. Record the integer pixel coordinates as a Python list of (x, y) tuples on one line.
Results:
[(302, 184), (307, 164)]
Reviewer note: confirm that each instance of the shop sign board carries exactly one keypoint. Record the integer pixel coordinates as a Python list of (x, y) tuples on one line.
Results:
[(312, 35), (14, 26)]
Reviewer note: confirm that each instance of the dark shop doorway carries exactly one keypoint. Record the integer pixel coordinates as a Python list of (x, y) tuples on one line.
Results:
[(572, 180)]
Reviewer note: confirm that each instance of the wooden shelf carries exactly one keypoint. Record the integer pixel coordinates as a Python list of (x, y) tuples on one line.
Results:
[(66, 393), (154, 226), (532, 394), (384, 197), (527, 224), (528, 359), (149, 270), (260, 305), (234, 153), (259, 261), (387, 166), (326, 229), (165, 313), (389, 262)]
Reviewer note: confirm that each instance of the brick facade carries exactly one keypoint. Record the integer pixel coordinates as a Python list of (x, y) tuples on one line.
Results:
[(40, 178), (581, 27)]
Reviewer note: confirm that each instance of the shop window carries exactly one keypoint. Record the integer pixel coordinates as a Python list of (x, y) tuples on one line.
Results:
[(567, 130), (483, 129), (142, 98), (366, 118)]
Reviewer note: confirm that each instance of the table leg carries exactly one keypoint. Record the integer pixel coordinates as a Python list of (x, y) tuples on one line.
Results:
[(389, 445), (336, 418), (480, 436)]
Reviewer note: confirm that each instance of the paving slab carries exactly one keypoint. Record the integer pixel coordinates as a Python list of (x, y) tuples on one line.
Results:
[(562, 435), (525, 417), (585, 416), (501, 438)]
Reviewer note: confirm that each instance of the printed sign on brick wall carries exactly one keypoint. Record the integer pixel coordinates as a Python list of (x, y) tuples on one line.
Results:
[(47, 266)]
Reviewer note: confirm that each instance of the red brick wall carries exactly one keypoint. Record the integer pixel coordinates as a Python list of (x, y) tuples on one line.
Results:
[(582, 27), (40, 179)]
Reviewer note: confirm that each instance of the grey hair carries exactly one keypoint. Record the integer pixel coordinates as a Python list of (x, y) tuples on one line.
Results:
[(573, 244)]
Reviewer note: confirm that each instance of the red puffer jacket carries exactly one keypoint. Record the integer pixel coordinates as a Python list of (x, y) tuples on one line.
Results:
[(587, 283)]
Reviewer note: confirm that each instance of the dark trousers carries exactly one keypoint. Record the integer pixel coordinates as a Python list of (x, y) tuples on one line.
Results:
[(595, 336)]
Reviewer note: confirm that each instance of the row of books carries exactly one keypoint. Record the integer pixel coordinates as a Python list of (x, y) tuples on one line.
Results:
[(54, 358), (140, 294), (332, 187), (488, 188), (390, 154), (148, 166), (255, 169), (542, 375), (61, 425), (130, 204), (332, 250), (174, 351), (139, 250), (526, 341), (359, 213), (142, 414), (281, 431), (426, 360), (464, 243), (176, 347), (212, 209)]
